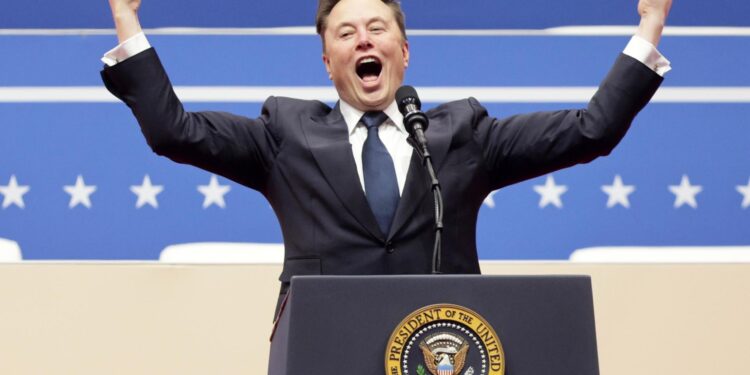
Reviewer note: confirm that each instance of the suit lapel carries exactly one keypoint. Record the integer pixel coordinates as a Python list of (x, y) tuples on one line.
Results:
[(417, 182), (328, 140)]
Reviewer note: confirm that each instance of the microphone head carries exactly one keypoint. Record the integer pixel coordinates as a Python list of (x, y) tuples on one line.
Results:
[(405, 96)]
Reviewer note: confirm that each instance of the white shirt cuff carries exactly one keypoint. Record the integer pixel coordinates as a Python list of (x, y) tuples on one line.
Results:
[(645, 52), (129, 48)]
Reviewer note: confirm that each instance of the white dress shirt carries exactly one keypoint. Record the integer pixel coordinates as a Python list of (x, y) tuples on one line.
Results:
[(392, 132)]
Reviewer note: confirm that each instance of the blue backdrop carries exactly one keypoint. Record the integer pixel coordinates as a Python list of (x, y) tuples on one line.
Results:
[(46, 145), (421, 14)]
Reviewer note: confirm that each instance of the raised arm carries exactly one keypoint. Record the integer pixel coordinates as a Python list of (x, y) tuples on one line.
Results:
[(236, 147), (125, 15), (530, 145), (653, 17)]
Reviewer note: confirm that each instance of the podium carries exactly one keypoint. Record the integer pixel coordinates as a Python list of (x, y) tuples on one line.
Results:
[(377, 325)]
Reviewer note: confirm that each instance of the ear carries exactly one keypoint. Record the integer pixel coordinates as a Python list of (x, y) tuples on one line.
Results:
[(327, 63), (405, 52)]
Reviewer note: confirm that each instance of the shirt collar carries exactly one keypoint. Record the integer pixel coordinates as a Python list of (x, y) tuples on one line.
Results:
[(353, 115)]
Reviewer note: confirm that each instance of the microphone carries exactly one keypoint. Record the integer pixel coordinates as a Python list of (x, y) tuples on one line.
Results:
[(415, 121)]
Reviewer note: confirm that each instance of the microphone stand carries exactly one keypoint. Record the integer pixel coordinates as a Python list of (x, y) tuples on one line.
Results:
[(424, 154)]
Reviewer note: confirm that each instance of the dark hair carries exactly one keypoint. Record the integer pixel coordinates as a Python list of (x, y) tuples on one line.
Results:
[(326, 6)]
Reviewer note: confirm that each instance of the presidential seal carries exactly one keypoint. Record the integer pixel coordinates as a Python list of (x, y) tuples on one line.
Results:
[(444, 339)]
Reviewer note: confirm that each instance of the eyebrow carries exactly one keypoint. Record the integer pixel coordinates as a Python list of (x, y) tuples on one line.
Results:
[(370, 21), (376, 19)]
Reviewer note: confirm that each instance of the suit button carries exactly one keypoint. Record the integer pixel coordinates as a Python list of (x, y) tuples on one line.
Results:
[(389, 248)]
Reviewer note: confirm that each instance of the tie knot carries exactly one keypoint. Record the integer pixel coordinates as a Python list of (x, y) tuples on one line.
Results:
[(373, 119)]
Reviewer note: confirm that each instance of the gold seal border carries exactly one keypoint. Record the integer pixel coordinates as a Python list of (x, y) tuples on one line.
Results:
[(391, 364)]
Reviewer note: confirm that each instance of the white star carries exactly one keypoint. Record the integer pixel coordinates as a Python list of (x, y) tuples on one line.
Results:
[(213, 193), (685, 193), (618, 193), (745, 191), (13, 193), (146, 193), (80, 193), (490, 200), (550, 193)]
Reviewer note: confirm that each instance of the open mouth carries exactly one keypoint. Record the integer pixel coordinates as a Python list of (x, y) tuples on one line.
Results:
[(369, 68)]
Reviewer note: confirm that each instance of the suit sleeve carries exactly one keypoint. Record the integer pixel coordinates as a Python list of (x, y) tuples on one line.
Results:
[(235, 147), (530, 145)]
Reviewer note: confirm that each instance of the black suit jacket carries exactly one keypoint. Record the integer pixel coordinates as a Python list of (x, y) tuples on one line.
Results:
[(298, 155)]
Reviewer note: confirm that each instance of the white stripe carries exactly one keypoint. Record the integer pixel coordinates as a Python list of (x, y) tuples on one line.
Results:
[(589, 31), (258, 94), (309, 30)]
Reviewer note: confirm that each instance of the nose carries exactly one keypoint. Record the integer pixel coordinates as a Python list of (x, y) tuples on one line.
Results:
[(363, 40)]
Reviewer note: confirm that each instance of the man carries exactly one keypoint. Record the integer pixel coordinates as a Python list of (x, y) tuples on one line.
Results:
[(349, 192)]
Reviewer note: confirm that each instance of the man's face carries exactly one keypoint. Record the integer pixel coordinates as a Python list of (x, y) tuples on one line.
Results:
[(365, 54)]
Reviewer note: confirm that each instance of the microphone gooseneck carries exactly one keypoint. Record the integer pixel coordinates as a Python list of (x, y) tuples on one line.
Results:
[(416, 123)]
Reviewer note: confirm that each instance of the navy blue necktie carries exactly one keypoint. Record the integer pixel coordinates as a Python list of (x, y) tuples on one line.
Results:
[(381, 186)]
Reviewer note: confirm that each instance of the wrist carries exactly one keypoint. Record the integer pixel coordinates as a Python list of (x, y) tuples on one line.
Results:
[(654, 17), (127, 25), (651, 26), (123, 14)]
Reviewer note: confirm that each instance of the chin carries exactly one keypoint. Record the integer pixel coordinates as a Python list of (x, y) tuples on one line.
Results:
[(380, 98), (372, 105)]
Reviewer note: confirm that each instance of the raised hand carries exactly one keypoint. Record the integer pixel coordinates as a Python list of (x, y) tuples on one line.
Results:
[(653, 18), (654, 8), (124, 5), (125, 14)]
